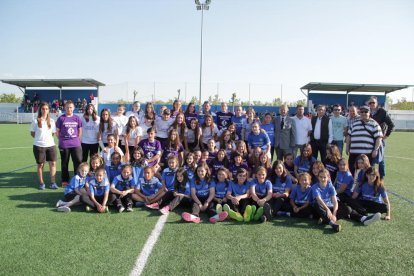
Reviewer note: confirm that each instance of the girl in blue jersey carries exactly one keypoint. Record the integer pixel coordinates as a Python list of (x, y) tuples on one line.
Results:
[(269, 127), (281, 188), (98, 192), (220, 186), (148, 190), (190, 165), (122, 188), (361, 165), (202, 194), (238, 164), (218, 162), (182, 192), (238, 120), (300, 198), (316, 167), (168, 178), (332, 158), (95, 162), (115, 168), (304, 161), (371, 194), (212, 150), (290, 166), (74, 190), (138, 164), (238, 194), (325, 203), (344, 181), (258, 138), (261, 191)]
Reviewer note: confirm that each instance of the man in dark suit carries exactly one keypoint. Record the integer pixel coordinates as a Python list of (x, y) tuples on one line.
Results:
[(322, 133), (285, 133)]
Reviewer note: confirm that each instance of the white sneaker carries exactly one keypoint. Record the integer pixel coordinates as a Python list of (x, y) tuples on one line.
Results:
[(372, 218), (121, 209), (60, 203), (53, 186), (42, 187), (64, 209)]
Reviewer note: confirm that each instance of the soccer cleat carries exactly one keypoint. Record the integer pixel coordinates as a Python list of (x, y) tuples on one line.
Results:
[(236, 215), (190, 218), (336, 227), (53, 186), (247, 213), (121, 208), (259, 214), (42, 187), (154, 206), (267, 211), (253, 212), (64, 209), (64, 184), (218, 217), (60, 203), (226, 208), (88, 208), (371, 219), (320, 221), (129, 209), (165, 210), (139, 204), (219, 208)]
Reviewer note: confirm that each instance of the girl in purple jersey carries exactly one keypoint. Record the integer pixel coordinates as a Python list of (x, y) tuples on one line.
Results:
[(190, 114), (152, 149)]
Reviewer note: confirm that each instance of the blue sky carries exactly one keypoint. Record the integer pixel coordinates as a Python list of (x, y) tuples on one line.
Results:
[(268, 43)]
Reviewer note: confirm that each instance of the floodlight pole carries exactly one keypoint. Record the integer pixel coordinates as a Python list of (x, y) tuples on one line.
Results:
[(202, 7)]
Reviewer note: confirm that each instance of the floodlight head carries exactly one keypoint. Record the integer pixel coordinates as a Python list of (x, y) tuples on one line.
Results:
[(197, 2), (199, 7)]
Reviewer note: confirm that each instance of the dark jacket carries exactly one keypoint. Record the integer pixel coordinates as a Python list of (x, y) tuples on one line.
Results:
[(384, 120)]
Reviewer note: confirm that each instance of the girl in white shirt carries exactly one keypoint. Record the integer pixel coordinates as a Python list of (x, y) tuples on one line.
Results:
[(90, 126), (132, 134), (42, 130)]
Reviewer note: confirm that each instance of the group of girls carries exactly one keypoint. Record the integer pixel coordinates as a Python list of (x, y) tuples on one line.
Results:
[(225, 172)]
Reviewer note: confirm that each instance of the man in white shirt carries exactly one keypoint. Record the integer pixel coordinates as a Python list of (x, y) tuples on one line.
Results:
[(303, 129)]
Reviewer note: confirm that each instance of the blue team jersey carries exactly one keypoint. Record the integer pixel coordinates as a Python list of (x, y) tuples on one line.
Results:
[(367, 192), (184, 188), (238, 121), (150, 187), (332, 168), (261, 188), (202, 189), (239, 189), (190, 172), (300, 197), (214, 165), (306, 164), (345, 177), (280, 187), (260, 140), (137, 171), (220, 188), (90, 176), (270, 130), (113, 171), (325, 194), (122, 184), (234, 168), (168, 175), (99, 189), (76, 182)]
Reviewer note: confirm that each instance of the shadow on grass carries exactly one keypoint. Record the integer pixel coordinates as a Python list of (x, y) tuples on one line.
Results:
[(36, 200), (23, 180)]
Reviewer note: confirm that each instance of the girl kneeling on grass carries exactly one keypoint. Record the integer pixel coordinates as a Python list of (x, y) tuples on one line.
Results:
[(122, 188), (238, 195), (202, 194), (148, 190), (371, 197), (98, 192), (261, 191), (182, 192), (74, 190)]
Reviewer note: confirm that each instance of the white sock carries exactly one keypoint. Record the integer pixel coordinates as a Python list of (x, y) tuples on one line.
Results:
[(216, 217), (193, 217), (363, 218)]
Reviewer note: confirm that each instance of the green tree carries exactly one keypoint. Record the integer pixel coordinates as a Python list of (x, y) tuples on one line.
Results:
[(10, 98)]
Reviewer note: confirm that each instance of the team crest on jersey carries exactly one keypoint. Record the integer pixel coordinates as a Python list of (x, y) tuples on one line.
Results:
[(71, 131)]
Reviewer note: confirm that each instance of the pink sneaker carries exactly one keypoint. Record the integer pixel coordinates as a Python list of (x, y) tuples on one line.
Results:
[(190, 218), (219, 217), (154, 206), (165, 210)]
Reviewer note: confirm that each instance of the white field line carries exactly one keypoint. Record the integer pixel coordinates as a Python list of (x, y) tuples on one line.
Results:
[(398, 157), (15, 148), (149, 245)]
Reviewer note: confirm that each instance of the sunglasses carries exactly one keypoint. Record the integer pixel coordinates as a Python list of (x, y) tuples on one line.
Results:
[(363, 111), (372, 103), (337, 110)]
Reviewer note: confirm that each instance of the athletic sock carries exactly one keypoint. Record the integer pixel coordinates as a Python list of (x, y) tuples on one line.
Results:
[(283, 214)]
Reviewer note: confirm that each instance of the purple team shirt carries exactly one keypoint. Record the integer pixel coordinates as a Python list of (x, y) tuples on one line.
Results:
[(69, 131), (150, 149)]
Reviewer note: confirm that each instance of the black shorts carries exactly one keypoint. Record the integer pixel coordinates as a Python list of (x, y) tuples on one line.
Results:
[(70, 196), (44, 154)]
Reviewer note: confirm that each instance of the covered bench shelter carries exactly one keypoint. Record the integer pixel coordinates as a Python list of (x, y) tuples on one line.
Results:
[(350, 88), (23, 84)]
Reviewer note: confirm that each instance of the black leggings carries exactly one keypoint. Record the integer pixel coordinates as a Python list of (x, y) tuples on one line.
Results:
[(65, 154), (242, 205), (88, 150)]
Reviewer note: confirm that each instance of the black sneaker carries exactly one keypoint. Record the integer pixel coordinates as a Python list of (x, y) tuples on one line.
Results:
[(267, 211), (336, 227)]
